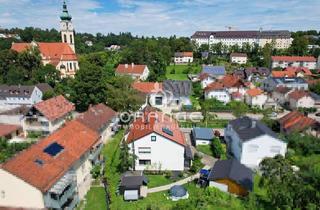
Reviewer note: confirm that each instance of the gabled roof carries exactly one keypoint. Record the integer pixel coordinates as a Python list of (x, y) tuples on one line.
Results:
[(156, 122), (183, 54), (6, 129), (296, 121), (248, 128), (298, 94), (214, 86), (42, 170), (130, 69), (296, 70), (232, 169), (55, 107), (177, 88), (282, 89), (244, 55), (230, 81), (203, 133), (214, 70), (44, 87), (283, 74), (147, 87), (294, 58), (254, 92), (23, 91), (97, 117)]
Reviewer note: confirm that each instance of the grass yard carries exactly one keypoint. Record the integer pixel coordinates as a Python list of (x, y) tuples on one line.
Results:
[(180, 71), (210, 124), (206, 149), (95, 199), (157, 180)]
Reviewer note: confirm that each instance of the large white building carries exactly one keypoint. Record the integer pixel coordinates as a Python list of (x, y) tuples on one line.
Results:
[(53, 173), (157, 142), (281, 39), (294, 61), (250, 141)]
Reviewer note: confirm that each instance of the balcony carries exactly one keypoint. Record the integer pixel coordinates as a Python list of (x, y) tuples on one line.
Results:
[(94, 154)]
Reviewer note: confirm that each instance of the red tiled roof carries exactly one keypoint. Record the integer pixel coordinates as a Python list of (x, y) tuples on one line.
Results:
[(296, 70), (97, 117), (293, 58), (54, 52), (254, 92), (54, 108), (184, 54), (283, 74), (130, 69), (236, 95), (74, 137), (214, 86), (282, 89), (155, 122), (147, 87), (231, 81), (296, 121), (238, 55), (203, 76), (6, 129), (297, 94)]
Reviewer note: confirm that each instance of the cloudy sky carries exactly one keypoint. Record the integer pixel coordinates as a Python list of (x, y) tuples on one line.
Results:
[(164, 17)]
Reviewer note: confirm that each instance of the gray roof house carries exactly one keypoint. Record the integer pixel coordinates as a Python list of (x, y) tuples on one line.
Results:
[(202, 135), (271, 83), (232, 176), (177, 93), (216, 71), (250, 141), (132, 186)]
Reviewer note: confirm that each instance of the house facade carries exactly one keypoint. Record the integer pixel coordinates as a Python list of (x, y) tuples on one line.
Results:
[(239, 58), (281, 38), (218, 91), (202, 136), (136, 71), (53, 173), (300, 99), (280, 94), (183, 57), (250, 141), (152, 135), (47, 116), (206, 79), (256, 98), (293, 61)]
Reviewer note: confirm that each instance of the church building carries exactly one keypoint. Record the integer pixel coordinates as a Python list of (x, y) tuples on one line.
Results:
[(62, 55)]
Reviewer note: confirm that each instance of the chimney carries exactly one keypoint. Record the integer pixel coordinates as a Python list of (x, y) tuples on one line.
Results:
[(126, 65)]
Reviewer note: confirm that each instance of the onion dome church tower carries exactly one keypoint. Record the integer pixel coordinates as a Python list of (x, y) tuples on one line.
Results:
[(66, 27)]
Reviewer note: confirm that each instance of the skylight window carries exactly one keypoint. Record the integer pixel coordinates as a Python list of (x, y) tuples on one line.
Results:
[(167, 131), (39, 162), (53, 149)]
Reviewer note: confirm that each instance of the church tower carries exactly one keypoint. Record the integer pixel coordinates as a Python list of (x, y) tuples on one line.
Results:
[(67, 30)]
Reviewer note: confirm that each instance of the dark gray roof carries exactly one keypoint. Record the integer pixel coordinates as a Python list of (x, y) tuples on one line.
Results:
[(286, 80), (214, 70), (243, 34), (178, 191), (188, 152), (21, 110), (177, 88), (203, 133), (248, 128), (131, 181), (315, 96), (22, 91), (44, 87), (232, 169)]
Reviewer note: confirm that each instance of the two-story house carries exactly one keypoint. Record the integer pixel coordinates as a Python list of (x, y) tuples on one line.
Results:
[(53, 173), (250, 141), (136, 71), (255, 97), (239, 58), (300, 99), (47, 116), (218, 91), (295, 61), (271, 83), (158, 143), (101, 119), (183, 57)]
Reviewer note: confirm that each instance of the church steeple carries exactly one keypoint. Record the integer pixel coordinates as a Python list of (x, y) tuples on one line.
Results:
[(67, 30)]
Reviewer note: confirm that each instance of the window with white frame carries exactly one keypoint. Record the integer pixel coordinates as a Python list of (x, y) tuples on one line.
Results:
[(144, 150)]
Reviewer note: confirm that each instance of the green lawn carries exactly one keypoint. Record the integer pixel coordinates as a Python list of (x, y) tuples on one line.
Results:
[(157, 180), (95, 199), (206, 149), (180, 71), (210, 124)]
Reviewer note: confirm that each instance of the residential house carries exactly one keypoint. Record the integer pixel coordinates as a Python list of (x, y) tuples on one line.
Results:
[(256, 98), (153, 92), (231, 176), (153, 135), (183, 57), (17, 95), (47, 116), (8, 132), (133, 186), (233, 84), (14, 116), (252, 73), (239, 58), (281, 38), (294, 61), (61, 55), (202, 136), (271, 83), (280, 94), (250, 141), (137, 72), (293, 72), (315, 97), (298, 122), (215, 71), (44, 87), (300, 99), (206, 79), (101, 119), (53, 173), (218, 91)]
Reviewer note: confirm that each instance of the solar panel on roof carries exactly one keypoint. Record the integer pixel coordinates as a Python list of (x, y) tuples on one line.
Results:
[(53, 149), (167, 131)]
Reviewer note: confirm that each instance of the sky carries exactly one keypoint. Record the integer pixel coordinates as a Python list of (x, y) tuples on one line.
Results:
[(164, 17)]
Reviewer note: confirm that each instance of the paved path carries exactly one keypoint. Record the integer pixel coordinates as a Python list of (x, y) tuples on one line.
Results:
[(167, 187)]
